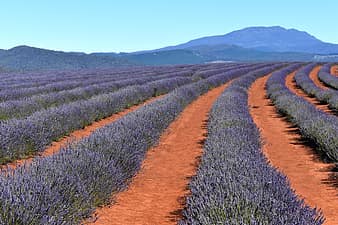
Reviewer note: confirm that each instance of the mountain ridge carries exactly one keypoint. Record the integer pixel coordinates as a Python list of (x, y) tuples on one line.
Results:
[(249, 44)]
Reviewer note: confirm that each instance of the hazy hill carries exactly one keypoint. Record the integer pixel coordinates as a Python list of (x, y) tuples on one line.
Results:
[(29, 58), (205, 53), (179, 56)]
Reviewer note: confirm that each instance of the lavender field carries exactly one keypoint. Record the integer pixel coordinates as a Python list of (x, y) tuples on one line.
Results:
[(235, 183)]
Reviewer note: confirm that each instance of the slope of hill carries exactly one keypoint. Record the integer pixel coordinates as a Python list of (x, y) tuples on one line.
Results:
[(29, 58), (205, 53), (179, 56), (235, 53)]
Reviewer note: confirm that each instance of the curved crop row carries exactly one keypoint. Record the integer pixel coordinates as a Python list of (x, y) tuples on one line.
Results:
[(66, 187), (309, 87), (313, 124), (27, 106), (327, 78), (235, 184)]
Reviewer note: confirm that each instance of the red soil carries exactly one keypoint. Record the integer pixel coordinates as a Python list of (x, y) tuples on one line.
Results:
[(75, 136), (334, 70), (315, 79), (156, 194), (307, 175), (291, 84)]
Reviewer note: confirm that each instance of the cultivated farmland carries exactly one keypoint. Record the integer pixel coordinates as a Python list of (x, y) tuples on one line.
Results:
[(222, 143)]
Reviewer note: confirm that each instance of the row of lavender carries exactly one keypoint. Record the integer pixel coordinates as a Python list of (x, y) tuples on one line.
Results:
[(66, 187), (314, 125), (40, 79), (305, 83), (12, 93), (235, 184), (22, 137), (47, 78), (26, 106), (327, 78)]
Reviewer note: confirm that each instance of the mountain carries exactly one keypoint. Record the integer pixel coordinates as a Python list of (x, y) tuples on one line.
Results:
[(30, 58), (249, 44), (269, 39)]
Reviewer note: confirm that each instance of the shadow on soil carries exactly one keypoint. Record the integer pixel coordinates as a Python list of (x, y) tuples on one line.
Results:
[(315, 154), (332, 180), (312, 99)]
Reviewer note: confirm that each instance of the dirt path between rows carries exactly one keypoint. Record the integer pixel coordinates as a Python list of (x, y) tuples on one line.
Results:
[(157, 193), (334, 70), (75, 136), (314, 77), (291, 84), (283, 148)]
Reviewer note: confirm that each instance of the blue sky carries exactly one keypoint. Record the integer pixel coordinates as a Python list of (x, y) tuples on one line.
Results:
[(125, 25)]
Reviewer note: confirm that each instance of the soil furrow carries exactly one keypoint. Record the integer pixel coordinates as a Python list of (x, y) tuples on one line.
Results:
[(314, 77), (291, 84), (283, 147), (76, 135), (157, 193), (334, 70)]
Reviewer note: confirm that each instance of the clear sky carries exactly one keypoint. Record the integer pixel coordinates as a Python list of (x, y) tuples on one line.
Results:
[(126, 25)]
